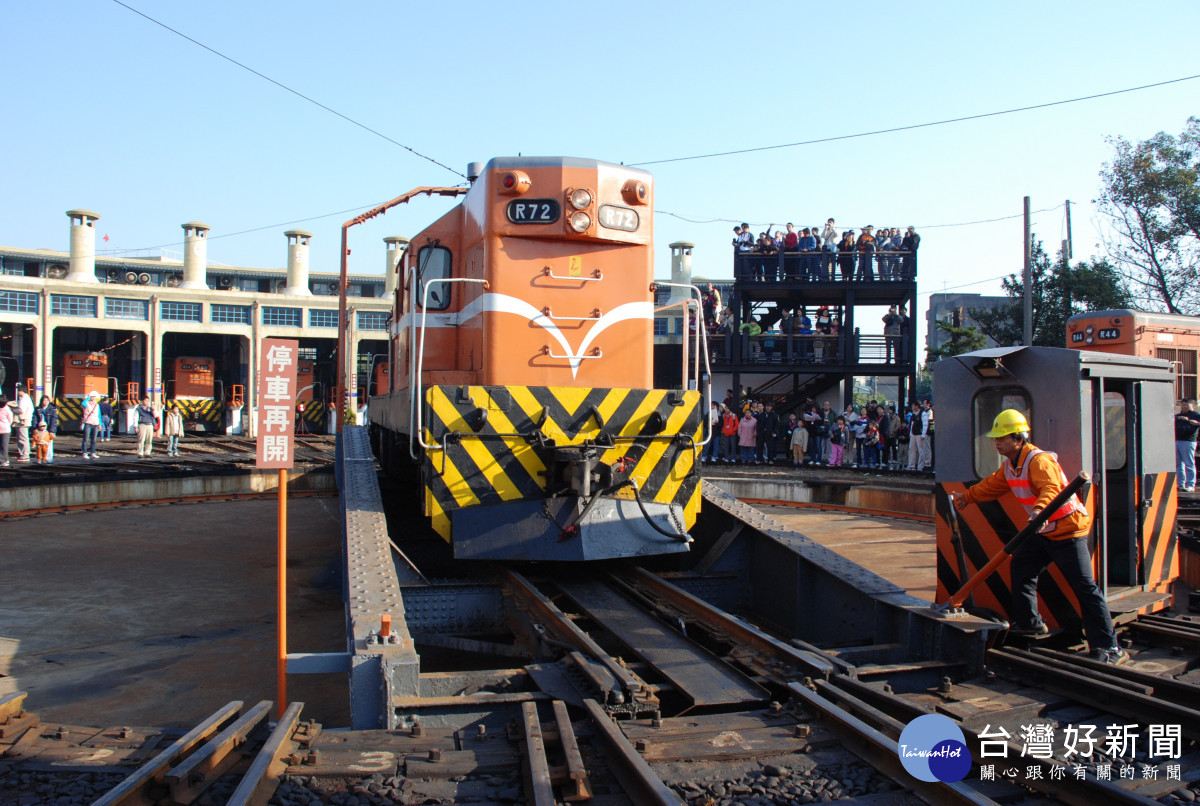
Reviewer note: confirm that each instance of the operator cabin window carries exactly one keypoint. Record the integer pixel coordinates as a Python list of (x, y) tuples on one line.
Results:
[(1114, 430), (433, 263), (987, 405)]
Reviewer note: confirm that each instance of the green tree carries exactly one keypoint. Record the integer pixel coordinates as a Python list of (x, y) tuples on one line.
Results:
[(1059, 291), (962, 340), (1151, 198)]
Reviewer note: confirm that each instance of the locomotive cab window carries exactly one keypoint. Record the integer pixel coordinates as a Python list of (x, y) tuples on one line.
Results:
[(433, 263), (988, 403), (1114, 430)]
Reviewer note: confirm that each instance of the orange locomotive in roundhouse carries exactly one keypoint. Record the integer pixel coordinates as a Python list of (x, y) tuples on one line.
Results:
[(1171, 337), (521, 370)]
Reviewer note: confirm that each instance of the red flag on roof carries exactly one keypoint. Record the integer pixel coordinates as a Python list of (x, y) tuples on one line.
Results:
[(106, 239)]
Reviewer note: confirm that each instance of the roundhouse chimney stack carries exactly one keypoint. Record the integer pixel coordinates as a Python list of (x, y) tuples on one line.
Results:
[(297, 267), (395, 251), (83, 246), (681, 268), (195, 255)]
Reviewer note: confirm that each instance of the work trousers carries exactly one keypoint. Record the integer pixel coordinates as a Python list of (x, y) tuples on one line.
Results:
[(1074, 561), (22, 432)]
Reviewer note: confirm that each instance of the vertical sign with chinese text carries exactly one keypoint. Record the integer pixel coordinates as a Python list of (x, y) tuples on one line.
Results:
[(276, 402)]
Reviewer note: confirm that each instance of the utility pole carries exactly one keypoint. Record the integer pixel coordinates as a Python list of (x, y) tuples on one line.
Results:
[(1028, 317), (1068, 250)]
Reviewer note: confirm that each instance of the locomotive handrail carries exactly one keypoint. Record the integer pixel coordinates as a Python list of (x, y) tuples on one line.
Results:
[(596, 353), (598, 276), (549, 315), (114, 386), (701, 344), (418, 432)]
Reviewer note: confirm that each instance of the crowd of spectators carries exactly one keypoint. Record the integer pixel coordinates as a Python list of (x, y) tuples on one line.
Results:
[(820, 331), (874, 436), (822, 253)]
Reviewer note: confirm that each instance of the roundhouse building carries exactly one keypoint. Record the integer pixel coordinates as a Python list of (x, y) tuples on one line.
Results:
[(138, 325)]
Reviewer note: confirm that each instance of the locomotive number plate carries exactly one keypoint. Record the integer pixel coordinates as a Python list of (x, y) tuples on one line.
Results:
[(1109, 333), (533, 211), (622, 218)]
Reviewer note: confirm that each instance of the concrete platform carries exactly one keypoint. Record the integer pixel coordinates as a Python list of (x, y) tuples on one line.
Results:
[(900, 550), (158, 615)]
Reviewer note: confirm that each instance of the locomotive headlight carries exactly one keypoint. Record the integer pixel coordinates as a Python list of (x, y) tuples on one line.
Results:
[(580, 221), (580, 200), (1089, 331)]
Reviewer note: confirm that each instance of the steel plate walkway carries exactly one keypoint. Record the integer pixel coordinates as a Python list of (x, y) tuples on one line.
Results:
[(695, 672)]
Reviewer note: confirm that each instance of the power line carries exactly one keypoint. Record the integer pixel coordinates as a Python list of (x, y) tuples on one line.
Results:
[(359, 209), (918, 226), (297, 93), (919, 125)]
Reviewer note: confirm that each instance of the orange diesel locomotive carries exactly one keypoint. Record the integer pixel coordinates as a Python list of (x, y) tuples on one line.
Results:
[(1171, 337), (521, 371), (192, 385), (79, 373)]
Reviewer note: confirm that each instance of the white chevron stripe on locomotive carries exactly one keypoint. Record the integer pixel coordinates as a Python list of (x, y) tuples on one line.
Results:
[(503, 303)]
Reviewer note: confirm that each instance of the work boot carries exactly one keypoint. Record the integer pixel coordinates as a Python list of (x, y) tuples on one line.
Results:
[(1036, 630)]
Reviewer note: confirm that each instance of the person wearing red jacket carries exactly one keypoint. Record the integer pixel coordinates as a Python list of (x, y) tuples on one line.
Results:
[(1034, 477), (729, 434)]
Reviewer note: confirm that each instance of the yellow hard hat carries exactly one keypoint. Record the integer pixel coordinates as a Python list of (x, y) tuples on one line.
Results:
[(1009, 421)]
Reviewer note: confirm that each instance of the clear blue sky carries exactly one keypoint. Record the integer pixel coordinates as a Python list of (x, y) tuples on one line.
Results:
[(110, 112)]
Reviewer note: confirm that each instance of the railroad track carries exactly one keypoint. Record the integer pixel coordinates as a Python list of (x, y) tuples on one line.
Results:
[(634, 691)]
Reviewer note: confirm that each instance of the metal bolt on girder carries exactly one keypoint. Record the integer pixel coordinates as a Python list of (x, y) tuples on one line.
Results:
[(946, 685), (803, 731), (481, 732), (313, 758), (435, 755), (418, 729), (641, 746)]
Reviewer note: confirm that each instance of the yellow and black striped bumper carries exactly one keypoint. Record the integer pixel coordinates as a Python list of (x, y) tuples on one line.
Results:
[(70, 412), (492, 448), (205, 413)]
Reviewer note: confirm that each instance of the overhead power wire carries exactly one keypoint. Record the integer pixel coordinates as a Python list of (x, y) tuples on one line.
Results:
[(282, 86), (917, 125), (918, 226)]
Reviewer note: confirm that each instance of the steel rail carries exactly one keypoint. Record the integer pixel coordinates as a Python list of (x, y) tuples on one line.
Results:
[(537, 767), (262, 779), (200, 770), (1085, 686), (129, 790), (1087, 792), (628, 767), (1178, 692), (566, 630), (741, 633), (171, 499), (882, 752)]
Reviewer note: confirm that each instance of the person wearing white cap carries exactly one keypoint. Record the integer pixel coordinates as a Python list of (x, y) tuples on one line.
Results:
[(91, 425)]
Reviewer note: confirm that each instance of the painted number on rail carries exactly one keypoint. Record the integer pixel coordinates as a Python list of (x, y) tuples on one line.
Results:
[(375, 761), (533, 211), (614, 217)]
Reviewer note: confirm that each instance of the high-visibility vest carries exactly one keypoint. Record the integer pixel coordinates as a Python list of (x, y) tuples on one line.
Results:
[(1018, 482)]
